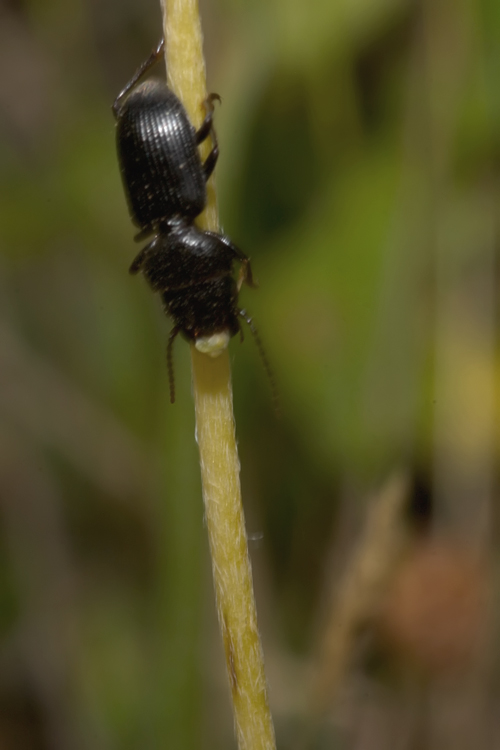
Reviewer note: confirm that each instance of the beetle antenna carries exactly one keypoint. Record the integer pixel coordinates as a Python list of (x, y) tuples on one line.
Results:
[(170, 363), (265, 361)]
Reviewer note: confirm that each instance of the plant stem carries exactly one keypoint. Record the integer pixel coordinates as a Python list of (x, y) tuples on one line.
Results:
[(219, 461), (358, 592)]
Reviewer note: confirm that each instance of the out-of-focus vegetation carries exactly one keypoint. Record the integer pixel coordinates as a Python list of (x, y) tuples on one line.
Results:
[(359, 168)]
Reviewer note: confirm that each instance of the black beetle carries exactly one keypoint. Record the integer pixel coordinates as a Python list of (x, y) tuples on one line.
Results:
[(165, 185)]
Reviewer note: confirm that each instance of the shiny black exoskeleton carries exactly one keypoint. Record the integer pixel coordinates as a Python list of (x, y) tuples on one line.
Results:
[(165, 185)]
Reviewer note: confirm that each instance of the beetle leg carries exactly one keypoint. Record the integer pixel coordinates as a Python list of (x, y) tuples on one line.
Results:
[(136, 264), (246, 269), (211, 160), (206, 126), (146, 65), (140, 236), (138, 261), (170, 363), (141, 256), (204, 131), (246, 275)]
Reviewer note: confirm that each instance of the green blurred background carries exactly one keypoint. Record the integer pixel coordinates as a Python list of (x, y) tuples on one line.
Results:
[(359, 168)]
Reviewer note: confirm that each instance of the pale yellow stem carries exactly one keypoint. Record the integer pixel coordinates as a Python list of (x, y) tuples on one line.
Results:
[(220, 468)]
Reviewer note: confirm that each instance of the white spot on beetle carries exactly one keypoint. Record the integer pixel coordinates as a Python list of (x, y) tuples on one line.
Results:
[(213, 345)]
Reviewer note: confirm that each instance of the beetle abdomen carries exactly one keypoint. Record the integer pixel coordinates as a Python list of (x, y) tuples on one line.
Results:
[(159, 161)]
